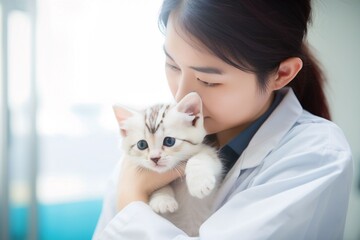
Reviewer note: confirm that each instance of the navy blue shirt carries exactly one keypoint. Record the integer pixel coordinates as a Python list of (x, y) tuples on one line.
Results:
[(231, 152)]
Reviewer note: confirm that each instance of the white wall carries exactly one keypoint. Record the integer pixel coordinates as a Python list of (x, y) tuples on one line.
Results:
[(336, 36)]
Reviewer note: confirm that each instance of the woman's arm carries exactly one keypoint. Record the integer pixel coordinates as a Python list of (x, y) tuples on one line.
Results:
[(129, 185)]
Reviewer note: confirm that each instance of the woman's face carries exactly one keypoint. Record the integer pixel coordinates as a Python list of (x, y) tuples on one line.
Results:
[(231, 97)]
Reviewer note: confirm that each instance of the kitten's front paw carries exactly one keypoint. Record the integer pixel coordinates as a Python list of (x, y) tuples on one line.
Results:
[(200, 185), (163, 204)]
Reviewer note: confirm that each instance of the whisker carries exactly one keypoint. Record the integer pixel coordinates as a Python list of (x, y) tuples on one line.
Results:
[(178, 169), (179, 173), (140, 169)]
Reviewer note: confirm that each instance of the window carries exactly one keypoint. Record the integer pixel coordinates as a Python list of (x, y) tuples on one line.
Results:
[(67, 65)]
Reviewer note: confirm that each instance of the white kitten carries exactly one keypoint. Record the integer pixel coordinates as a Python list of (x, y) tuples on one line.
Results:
[(161, 138)]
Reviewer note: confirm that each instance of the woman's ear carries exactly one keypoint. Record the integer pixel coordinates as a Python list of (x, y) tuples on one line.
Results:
[(287, 71)]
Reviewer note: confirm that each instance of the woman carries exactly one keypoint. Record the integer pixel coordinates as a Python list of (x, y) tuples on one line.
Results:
[(289, 168)]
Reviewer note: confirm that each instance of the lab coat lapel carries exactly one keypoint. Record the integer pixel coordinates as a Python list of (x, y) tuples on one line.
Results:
[(265, 139)]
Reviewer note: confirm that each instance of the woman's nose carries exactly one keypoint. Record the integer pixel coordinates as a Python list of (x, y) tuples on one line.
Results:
[(185, 86)]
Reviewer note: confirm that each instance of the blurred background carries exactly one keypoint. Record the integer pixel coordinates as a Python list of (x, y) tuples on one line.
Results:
[(64, 63)]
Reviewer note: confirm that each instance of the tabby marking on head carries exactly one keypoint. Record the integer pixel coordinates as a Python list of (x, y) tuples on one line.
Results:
[(154, 117)]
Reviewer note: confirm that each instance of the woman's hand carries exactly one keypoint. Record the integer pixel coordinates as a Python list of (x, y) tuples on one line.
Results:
[(137, 184)]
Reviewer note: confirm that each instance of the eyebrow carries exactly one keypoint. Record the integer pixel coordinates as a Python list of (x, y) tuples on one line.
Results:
[(209, 70)]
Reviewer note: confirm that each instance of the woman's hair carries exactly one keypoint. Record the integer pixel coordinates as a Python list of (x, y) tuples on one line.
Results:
[(255, 36)]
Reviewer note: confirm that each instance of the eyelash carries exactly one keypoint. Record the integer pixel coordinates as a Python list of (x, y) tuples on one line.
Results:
[(172, 67), (207, 84)]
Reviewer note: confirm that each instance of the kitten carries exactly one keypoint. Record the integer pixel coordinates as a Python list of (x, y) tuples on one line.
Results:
[(161, 138)]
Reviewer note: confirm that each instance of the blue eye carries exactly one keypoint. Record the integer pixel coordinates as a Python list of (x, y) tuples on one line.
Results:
[(169, 141), (142, 145)]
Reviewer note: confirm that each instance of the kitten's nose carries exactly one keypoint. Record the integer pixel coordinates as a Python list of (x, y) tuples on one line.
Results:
[(155, 159)]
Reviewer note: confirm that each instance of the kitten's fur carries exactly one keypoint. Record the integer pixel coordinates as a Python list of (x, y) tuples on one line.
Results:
[(187, 204)]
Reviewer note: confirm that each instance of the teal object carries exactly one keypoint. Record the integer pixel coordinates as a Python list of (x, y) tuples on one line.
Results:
[(63, 221)]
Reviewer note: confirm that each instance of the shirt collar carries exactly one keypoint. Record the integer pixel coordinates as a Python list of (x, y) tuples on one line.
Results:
[(232, 151), (267, 137), (240, 142), (272, 131)]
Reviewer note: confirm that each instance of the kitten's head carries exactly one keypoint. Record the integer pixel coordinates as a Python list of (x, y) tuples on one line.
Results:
[(162, 136)]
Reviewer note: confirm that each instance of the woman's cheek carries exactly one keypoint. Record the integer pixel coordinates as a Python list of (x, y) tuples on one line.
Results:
[(211, 106)]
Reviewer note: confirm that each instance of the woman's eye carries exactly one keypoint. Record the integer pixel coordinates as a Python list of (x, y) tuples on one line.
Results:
[(142, 145), (169, 141), (172, 67), (207, 84)]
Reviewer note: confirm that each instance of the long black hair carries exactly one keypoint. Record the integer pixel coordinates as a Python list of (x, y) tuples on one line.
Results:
[(255, 36)]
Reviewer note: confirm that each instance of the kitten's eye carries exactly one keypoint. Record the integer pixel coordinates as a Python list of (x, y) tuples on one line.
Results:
[(142, 145), (169, 141)]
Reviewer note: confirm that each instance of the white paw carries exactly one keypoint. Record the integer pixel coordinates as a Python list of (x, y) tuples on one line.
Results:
[(163, 204), (201, 185)]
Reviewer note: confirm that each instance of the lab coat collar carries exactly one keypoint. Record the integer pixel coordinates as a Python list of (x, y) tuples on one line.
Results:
[(265, 139), (271, 132)]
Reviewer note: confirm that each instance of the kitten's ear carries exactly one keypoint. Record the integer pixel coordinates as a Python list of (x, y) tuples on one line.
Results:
[(122, 114), (191, 104)]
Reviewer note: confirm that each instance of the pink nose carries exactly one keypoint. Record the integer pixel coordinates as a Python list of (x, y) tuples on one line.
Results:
[(155, 159)]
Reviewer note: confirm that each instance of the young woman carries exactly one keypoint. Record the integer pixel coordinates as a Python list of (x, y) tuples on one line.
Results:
[(289, 168)]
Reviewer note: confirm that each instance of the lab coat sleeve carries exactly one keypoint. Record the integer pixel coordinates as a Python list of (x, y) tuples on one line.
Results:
[(297, 195), (300, 191), (283, 204)]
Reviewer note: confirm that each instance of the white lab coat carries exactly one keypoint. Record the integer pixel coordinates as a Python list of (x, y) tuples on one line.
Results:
[(291, 182)]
